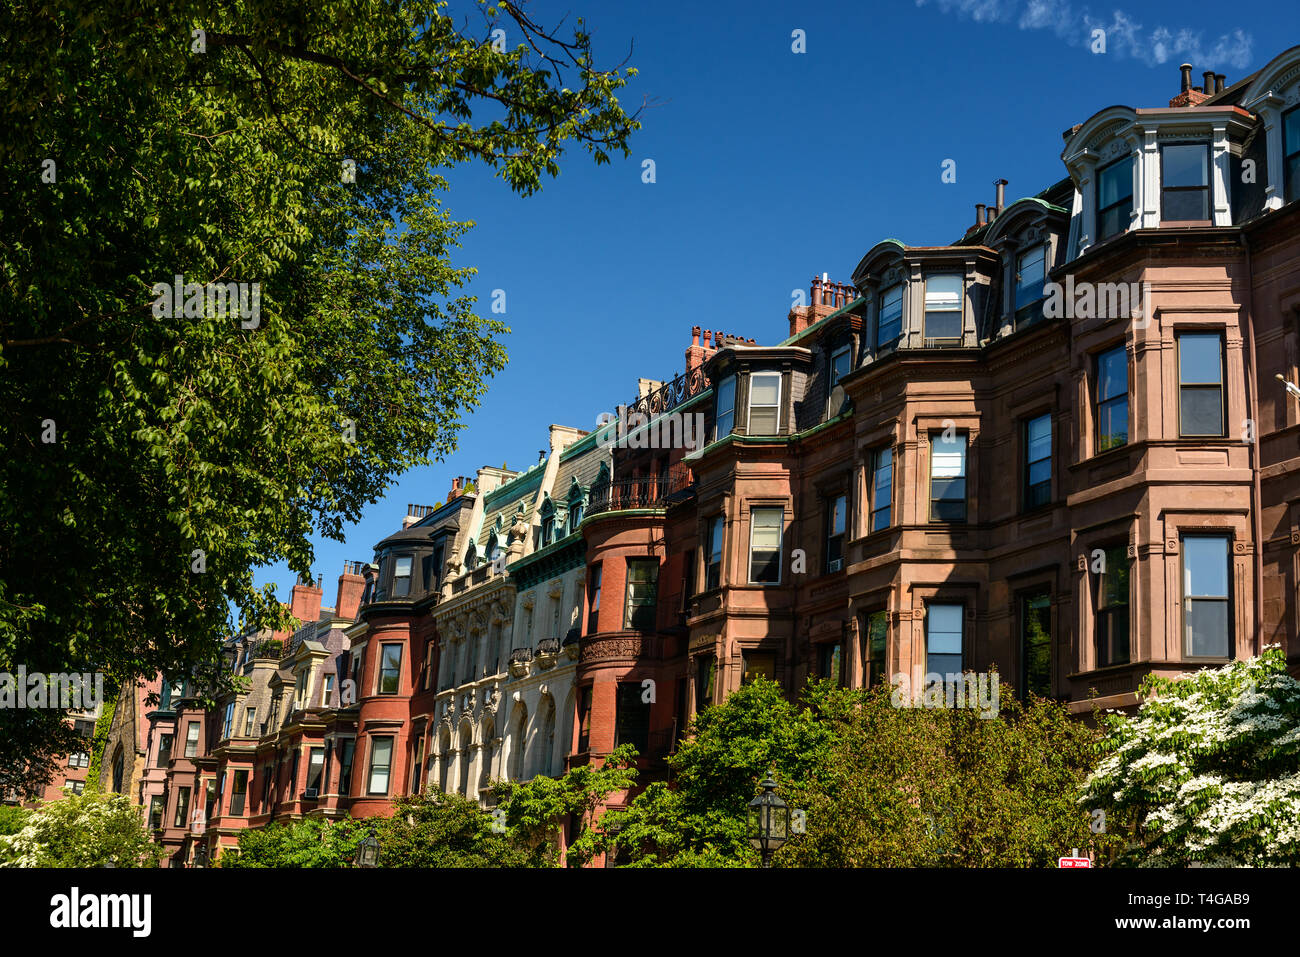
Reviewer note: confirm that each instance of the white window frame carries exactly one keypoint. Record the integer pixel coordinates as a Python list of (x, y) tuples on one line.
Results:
[(749, 411)]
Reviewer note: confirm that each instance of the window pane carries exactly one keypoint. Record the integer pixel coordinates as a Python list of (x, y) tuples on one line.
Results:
[(1201, 411), (1036, 641), (380, 760), (1205, 567), (890, 322), (1200, 358), (1030, 276), (948, 456), (764, 389), (763, 421), (1112, 374), (943, 292), (1291, 132), (1115, 577), (1039, 438), (1207, 628), (1186, 165), (837, 515), (1193, 204), (1115, 182), (943, 630), (1112, 424), (727, 394), (839, 365)]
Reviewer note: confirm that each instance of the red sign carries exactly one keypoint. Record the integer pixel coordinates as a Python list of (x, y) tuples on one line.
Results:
[(1073, 862)]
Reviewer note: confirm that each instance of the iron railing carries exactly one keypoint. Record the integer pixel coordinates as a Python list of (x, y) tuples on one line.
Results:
[(659, 490)]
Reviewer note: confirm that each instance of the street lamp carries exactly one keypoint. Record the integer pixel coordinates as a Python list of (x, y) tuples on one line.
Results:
[(769, 821), (367, 852), (1290, 387)]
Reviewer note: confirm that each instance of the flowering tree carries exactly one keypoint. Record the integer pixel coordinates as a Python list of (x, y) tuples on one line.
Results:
[(1209, 768), (87, 830)]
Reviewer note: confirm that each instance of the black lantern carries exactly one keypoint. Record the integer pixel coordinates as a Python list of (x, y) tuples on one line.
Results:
[(367, 852), (201, 855), (769, 821)]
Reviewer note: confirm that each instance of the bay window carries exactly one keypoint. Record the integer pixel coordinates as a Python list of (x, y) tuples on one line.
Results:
[(381, 762), (725, 416), (948, 477), (1200, 384), (1114, 198), (882, 488), (765, 545), (1112, 607)]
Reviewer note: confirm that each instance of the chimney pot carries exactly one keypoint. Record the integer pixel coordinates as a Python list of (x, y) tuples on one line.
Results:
[(1001, 184), (1208, 87), (979, 214), (1219, 80), (1187, 76)]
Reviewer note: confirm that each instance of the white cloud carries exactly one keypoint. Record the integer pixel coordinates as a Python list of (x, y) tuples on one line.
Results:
[(1125, 37)]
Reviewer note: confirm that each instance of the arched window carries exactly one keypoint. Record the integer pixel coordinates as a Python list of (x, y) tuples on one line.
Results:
[(119, 769), (548, 522), (575, 506), (517, 743), (466, 752), (444, 759), (485, 754), (471, 556), (544, 744)]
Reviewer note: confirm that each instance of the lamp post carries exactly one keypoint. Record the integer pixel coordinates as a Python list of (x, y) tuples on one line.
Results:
[(769, 821), (1290, 387), (367, 851)]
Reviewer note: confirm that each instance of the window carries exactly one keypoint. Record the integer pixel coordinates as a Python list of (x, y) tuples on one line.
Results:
[(192, 739), (875, 637), (1185, 182), (1114, 198), (765, 546), (417, 761), (828, 662), (575, 513), (632, 722), (238, 792), (345, 766), (402, 576), (1200, 383), (315, 765), (327, 693), (548, 529), (1031, 273), (943, 639), (943, 301), (156, 811), (639, 604), (1112, 399), (882, 487), (1038, 461), (76, 787), (705, 671), (164, 750), (584, 720), (79, 759), (381, 759), (889, 325), (840, 360), (757, 664), (725, 419), (182, 807), (390, 668), (593, 610), (228, 720), (948, 477), (1207, 623), (713, 568), (250, 717), (836, 509), (1291, 152), (764, 403), (1036, 644), (1112, 607)]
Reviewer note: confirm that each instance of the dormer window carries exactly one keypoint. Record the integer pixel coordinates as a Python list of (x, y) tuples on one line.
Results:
[(548, 529), (725, 418), (889, 324), (1291, 152), (1114, 198), (402, 576), (575, 509), (764, 403), (1031, 271), (1185, 182), (471, 557), (492, 547), (943, 302)]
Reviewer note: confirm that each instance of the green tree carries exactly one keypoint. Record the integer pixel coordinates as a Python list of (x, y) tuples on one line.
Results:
[(432, 829), (1208, 769), (153, 460), (309, 842), (87, 830)]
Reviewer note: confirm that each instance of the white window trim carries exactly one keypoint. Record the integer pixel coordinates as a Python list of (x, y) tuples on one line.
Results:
[(749, 406)]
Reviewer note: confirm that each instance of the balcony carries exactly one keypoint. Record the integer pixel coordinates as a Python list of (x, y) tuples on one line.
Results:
[(548, 651), (519, 659), (661, 490)]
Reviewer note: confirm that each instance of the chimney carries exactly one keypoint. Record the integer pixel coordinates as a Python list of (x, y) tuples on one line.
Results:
[(1219, 80), (1187, 77), (456, 490), (696, 353), (1208, 88), (1189, 95), (352, 584), (1001, 184), (304, 601), (979, 215)]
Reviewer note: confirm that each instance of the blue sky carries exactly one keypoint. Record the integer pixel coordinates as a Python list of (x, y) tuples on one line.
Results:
[(772, 166)]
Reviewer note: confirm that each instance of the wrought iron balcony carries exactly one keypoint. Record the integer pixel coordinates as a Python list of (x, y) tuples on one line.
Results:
[(671, 394), (660, 490), (548, 646)]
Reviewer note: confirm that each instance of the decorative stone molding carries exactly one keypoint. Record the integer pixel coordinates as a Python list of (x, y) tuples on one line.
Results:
[(605, 648)]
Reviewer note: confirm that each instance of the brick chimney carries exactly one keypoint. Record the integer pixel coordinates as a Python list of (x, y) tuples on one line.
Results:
[(304, 601), (824, 297), (1189, 95), (697, 354), (352, 584)]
